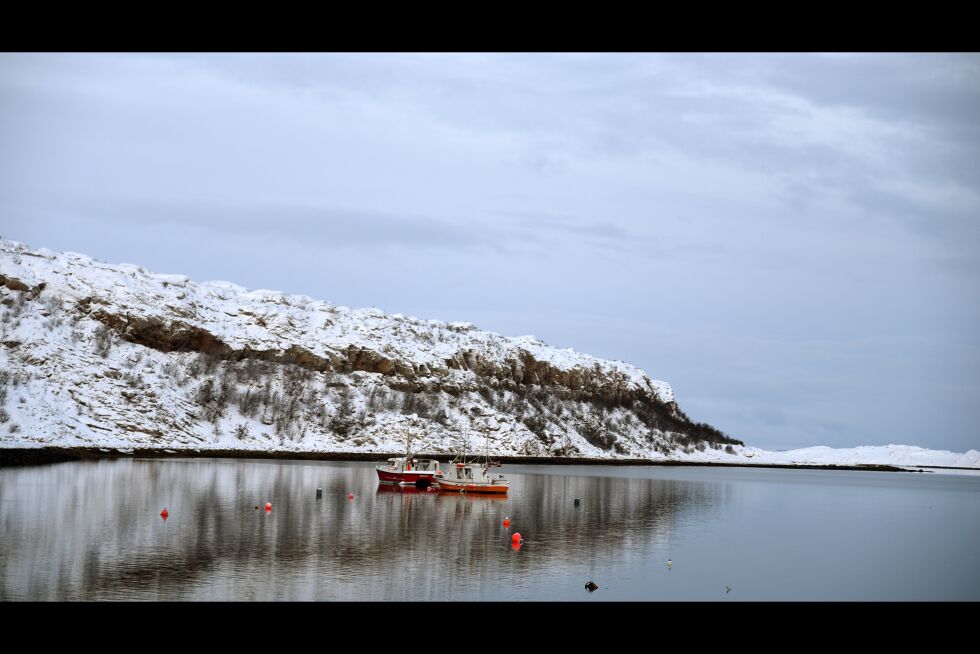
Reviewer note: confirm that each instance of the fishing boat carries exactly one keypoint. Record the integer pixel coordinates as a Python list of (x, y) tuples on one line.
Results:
[(409, 471), (473, 477)]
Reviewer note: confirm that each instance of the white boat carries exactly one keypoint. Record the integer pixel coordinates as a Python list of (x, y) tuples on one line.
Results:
[(461, 477), (473, 477)]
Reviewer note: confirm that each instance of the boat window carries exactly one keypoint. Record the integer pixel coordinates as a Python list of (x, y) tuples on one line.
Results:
[(469, 473)]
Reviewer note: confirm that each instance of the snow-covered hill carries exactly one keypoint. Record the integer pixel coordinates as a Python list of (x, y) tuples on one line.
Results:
[(93, 354), (115, 356)]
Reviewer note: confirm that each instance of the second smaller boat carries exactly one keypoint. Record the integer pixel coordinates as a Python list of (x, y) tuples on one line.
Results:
[(472, 478)]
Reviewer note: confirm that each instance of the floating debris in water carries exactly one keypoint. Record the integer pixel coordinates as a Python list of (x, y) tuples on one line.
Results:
[(591, 586)]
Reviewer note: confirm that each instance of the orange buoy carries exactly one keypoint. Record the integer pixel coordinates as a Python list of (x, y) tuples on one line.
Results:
[(164, 513), (268, 506), (516, 537)]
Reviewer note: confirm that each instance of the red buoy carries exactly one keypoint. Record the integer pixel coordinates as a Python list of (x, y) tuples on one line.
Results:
[(164, 513), (350, 496), (506, 521), (516, 545), (268, 506), (516, 537)]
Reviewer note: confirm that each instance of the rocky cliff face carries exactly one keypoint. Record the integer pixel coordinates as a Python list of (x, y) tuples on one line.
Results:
[(98, 354)]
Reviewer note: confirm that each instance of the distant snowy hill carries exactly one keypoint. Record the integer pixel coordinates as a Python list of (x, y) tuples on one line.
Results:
[(892, 455), (93, 354)]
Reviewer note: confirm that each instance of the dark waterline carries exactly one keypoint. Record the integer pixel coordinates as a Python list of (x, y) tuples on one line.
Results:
[(91, 530)]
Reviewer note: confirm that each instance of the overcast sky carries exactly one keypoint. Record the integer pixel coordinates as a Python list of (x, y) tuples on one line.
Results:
[(792, 241)]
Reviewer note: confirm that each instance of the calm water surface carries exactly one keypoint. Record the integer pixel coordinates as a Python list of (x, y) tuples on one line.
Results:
[(92, 531)]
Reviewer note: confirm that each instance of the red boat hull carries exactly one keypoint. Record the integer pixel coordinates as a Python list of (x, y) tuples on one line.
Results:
[(409, 477)]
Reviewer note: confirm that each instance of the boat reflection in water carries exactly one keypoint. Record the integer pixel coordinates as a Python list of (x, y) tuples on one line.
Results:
[(441, 496), (407, 490), (448, 498)]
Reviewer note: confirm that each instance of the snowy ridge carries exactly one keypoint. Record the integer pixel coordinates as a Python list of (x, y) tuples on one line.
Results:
[(262, 319)]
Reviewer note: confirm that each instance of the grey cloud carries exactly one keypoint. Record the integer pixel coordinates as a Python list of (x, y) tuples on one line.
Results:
[(929, 89), (329, 227)]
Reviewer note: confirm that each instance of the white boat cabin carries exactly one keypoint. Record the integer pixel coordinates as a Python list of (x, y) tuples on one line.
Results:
[(422, 465), (468, 472)]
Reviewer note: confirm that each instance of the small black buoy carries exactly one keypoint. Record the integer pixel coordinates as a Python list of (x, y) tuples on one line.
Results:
[(577, 501), (319, 493), (591, 587)]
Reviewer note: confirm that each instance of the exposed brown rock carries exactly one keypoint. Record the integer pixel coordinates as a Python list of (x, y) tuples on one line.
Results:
[(578, 383), (15, 284)]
